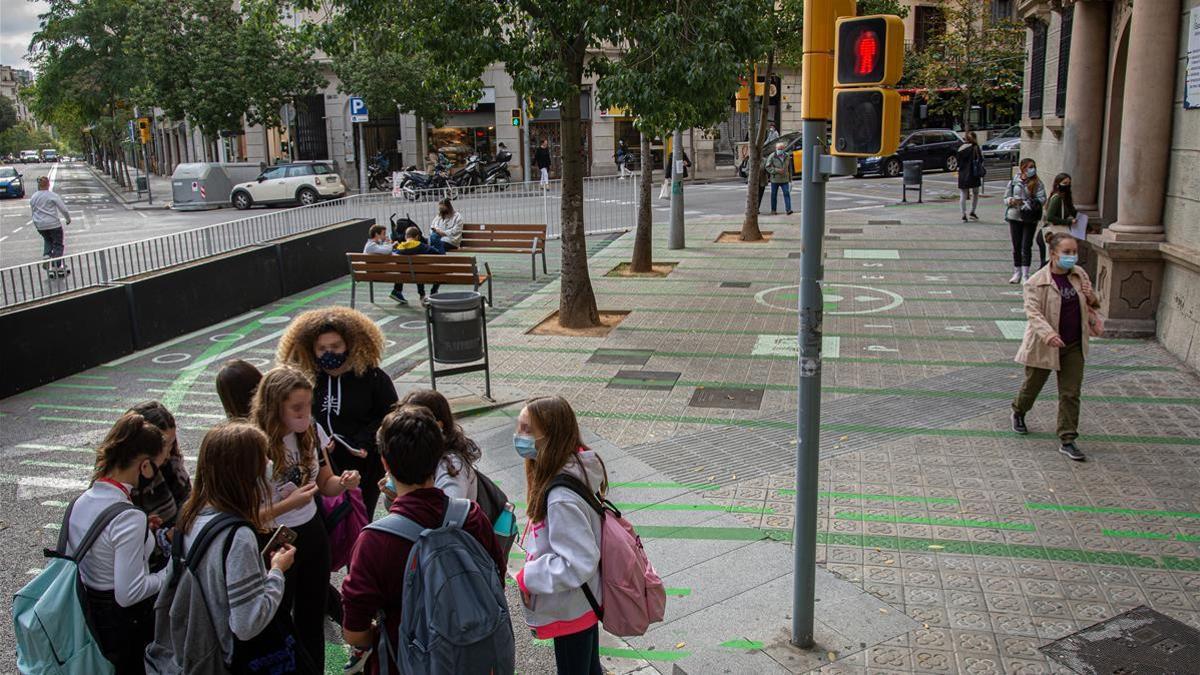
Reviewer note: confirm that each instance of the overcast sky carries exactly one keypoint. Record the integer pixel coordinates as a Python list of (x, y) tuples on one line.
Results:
[(18, 21)]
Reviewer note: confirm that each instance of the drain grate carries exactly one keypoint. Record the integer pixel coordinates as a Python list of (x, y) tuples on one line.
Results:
[(845, 230), (735, 284), (621, 357), (883, 222), (729, 399), (1138, 641), (796, 254), (643, 379)]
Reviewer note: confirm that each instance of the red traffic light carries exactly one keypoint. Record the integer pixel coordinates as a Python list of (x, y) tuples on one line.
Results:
[(866, 52), (869, 51)]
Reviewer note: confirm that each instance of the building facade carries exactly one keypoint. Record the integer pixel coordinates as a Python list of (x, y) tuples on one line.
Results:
[(1104, 97), (11, 80)]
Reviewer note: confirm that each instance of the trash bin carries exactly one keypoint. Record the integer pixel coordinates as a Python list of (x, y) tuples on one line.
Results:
[(142, 184), (456, 329), (914, 174)]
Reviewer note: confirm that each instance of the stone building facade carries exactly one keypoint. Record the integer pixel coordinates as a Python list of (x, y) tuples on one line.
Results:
[(1104, 94)]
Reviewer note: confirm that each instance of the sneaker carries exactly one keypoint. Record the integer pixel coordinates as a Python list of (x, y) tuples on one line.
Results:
[(1018, 423), (964, 219), (398, 297), (1071, 451), (1016, 277), (358, 660), (789, 213), (774, 213), (973, 216)]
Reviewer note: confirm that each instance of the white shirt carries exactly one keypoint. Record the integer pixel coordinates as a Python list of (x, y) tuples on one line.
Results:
[(463, 486), (46, 206), (284, 485), (452, 226), (118, 561)]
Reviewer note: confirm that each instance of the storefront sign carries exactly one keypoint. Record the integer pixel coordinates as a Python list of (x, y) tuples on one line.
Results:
[(1191, 95)]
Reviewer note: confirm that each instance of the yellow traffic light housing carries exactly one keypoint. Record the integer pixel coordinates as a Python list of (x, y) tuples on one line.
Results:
[(869, 51), (866, 122), (143, 124)]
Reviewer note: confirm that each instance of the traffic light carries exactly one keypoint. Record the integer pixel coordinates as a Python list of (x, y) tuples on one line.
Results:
[(516, 117), (868, 59), (143, 125)]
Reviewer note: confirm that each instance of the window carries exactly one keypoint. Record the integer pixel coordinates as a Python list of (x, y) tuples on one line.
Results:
[(1002, 10), (299, 171), (1037, 70), (930, 23), (915, 139), (1064, 60), (321, 169), (274, 173)]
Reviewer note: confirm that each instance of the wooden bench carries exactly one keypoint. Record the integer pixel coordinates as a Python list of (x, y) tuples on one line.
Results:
[(416, 269), (531, 239)]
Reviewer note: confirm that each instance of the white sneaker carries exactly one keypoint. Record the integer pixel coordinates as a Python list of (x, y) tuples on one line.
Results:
[(1016, 277)]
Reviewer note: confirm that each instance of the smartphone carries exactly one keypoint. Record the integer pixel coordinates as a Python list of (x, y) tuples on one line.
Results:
[(282, 535)]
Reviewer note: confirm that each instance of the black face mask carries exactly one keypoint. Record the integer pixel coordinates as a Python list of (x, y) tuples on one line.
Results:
[(1064, 189)]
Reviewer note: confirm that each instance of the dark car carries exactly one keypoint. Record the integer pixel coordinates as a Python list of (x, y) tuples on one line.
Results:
[(794, 140), (934, 147), (10, 183)]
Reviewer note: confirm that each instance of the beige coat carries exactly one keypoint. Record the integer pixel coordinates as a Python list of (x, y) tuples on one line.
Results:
[(1043, 304)]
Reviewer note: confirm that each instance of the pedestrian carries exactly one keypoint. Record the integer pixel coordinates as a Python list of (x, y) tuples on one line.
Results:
[(664, 193), (541, 159), (1060, 212), (238, 592), (779, 168), (772, 133), (562, 538), (413, 244), (162, 496), (299, 467), (46, 207), (236, 383), (377, 241), (622, 157), (413, 447), (339, 349), (970, 174), (116, 577), (456, 474), (1023, 199), (1059, 308)]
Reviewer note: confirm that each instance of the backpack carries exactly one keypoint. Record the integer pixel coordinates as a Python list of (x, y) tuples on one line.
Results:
[(344, 517), (634, 595), (499, 511), (50, 612), (455, 617)]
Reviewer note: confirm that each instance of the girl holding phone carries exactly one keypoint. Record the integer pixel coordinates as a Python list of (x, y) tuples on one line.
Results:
[(298, 468)]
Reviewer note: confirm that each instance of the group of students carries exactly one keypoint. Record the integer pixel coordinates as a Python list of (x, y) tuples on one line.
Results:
[(325, 421), (445, 234)]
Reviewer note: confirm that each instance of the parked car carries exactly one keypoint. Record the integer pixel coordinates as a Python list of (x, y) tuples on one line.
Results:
[(1004, 145), (299, 182), (29, 157), (10, 183), (794, 140), (934, 147)]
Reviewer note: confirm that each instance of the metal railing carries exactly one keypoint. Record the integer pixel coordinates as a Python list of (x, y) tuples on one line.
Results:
[(610, 205)]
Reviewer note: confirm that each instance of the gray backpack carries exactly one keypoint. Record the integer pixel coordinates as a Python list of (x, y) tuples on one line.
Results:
[(455, 617)]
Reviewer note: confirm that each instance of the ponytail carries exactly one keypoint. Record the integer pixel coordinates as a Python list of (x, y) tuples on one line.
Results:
[(131, 439)]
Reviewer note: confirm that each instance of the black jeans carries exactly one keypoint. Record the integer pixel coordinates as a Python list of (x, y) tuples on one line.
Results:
[(1022, 241), (121, 632), (579, 653), (52, 244), (304, 592)]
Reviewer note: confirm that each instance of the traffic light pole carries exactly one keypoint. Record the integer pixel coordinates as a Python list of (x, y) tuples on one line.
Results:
[(675, 234)]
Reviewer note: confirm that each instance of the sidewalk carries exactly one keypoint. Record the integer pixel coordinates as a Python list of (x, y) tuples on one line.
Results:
[(160, 190), (946, 544)]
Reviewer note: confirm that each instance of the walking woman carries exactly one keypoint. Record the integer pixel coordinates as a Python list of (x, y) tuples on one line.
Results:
[(340, 349), (562, 540), (299, 469), (1060, 212), (970, 174), (1024, 199), (115, 572), (1058, 305), (236, 384)]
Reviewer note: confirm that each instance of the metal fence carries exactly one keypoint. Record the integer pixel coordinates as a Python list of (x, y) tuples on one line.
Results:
[(610, 205)]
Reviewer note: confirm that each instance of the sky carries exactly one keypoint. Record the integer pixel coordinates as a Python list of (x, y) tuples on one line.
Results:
[(18, 21)]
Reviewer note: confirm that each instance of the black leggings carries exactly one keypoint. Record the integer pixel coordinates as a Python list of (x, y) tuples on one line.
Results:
[(121, 632), (579, 653), (303, 591), (1022, 241)]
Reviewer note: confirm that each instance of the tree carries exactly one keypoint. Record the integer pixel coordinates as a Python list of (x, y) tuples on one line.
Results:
[(23, 136), (8, 114), (974, 62)]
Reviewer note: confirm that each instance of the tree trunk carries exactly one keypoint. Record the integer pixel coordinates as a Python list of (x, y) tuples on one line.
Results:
[(643, 240), (576, 300), (758, 135)]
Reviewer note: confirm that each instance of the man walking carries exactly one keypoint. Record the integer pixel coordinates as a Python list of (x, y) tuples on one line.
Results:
[(541, 159), (779, 168), (46, 206)]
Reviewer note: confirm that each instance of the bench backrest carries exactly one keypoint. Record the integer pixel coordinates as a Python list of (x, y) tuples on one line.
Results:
[(521, 237), (444, 269)]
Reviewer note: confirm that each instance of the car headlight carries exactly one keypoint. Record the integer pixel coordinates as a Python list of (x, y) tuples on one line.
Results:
[(15, 181)]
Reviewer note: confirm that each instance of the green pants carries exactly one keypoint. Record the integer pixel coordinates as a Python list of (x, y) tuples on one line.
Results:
[(1070, 382)]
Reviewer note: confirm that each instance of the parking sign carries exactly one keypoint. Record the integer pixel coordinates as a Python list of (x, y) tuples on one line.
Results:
[(358, 109)]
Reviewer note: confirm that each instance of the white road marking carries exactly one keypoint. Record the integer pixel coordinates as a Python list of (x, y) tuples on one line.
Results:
[(181, 338), (404, 353), (18, 229)]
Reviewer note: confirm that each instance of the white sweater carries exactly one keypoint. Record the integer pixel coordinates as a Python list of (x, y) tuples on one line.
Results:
[(118, 561)]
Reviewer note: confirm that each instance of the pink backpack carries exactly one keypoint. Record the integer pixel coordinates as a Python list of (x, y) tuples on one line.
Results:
[(634, 596)]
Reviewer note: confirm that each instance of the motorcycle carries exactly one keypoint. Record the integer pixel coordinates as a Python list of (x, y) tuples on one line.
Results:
[(416, 184), (496, 173), (470, 176), (378, 175)]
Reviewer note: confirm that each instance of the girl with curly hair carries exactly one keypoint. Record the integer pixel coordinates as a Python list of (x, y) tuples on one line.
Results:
[(340, 349)]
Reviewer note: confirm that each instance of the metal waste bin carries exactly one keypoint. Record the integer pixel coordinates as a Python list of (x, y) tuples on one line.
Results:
[(914, 175), (456, 330), (142, 184)]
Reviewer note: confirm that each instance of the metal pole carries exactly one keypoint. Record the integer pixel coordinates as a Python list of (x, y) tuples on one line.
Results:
[(146, 160), (675, 236), (362, 161), (526, 142), (808, 431)]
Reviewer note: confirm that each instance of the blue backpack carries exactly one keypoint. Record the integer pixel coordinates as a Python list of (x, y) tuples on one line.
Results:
[(49, 613)]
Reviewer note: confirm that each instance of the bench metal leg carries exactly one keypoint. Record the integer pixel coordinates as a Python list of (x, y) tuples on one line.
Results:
[(353, 292), (544, 263), (533, 265), (371, 291)]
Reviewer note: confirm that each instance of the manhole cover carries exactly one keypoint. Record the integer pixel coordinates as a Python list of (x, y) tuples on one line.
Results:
[(735, 284), (621, 357), (845, 230), (796, 254), (643, 379), (883, 222), (730, 399), (1136, 642)]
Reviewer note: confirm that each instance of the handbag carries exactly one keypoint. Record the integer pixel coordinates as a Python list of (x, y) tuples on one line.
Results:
[(344, 517), (1095, 323)]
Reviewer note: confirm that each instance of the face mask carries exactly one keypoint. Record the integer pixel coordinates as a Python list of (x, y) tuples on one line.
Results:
[(1064, 189), (331, 360), (1031, 172), (525, 446), (300, 425), (1067, 261)]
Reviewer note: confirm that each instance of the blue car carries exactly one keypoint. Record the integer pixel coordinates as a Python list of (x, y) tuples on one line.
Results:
[(10, 183)]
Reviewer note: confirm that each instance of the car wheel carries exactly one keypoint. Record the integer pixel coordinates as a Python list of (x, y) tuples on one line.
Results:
[(952, 163), (307, 196), (893, 167), (242, 200)]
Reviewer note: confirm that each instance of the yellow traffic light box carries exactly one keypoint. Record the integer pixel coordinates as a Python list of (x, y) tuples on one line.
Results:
[(868, 58), (143, 125)]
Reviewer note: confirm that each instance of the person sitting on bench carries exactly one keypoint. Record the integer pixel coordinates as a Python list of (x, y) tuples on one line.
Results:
[(413, 244), (445, 232)]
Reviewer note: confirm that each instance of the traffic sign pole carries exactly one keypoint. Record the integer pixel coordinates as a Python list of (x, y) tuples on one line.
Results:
[(358, 115)]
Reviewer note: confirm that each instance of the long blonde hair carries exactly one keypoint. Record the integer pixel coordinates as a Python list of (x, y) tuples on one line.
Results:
[(560, 444), (267, 413)]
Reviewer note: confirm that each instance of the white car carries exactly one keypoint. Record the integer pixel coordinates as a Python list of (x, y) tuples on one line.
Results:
[(301, 182)]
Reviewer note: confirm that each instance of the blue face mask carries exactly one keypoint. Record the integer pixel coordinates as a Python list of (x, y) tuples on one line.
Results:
[(525, 445), (1066, 262), (331, 360)]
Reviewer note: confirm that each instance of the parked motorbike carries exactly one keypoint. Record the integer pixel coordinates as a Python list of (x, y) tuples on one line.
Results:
[(415, 184), (495, 174), (470, 176), (379, 176)]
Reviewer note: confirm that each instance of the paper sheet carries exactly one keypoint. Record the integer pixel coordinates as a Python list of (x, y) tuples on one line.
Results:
[(1079, 229)]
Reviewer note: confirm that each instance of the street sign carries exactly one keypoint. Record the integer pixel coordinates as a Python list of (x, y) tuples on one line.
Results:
[(133, 136), (358, 109)]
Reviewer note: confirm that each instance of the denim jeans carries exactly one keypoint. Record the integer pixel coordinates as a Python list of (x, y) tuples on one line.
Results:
[(52, 244), (787, 196)]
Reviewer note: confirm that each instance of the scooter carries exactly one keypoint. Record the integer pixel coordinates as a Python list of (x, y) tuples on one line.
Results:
[(378, 175), (416, 184), (496, 173)]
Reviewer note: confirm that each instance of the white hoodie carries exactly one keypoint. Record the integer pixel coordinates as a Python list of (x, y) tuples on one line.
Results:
[(563, 553)]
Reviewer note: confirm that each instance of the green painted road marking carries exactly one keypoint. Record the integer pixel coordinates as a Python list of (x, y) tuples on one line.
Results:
[(635, 654), (678, 592), (631, 507), (81, 408), (57, 465), (105, 423), (1042, 506), (57, 448), (64, 385), (1134, 534), (947, 522), (55, 504), (742, 644)]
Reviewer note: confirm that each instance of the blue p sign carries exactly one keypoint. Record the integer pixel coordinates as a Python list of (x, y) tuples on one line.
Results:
[(358, 109)]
